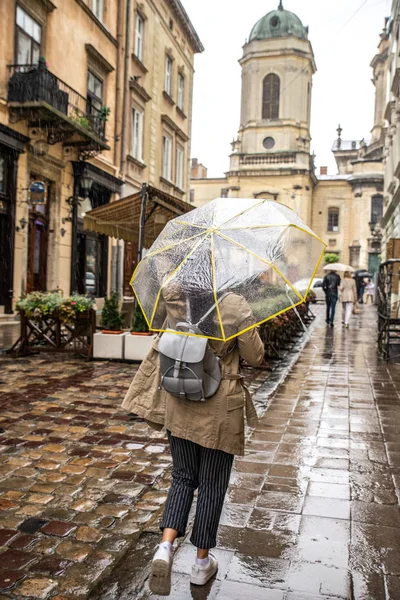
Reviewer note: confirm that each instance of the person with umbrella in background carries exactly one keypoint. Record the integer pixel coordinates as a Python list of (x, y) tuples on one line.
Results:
[(330, 285), (348, 297), (199, 286)]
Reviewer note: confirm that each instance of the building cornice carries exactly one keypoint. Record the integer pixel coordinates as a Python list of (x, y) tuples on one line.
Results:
[(186, 24)]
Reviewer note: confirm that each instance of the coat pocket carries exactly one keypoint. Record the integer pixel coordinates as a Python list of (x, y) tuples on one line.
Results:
[(235, 414)]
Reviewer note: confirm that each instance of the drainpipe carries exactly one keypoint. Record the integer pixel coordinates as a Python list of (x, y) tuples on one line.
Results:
[(120, 84), (126, 95)]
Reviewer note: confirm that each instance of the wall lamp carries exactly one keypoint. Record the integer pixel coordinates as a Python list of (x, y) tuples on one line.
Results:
[(22, 224)]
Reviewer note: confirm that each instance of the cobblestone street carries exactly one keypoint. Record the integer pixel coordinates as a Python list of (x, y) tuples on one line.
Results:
[(312, 510)]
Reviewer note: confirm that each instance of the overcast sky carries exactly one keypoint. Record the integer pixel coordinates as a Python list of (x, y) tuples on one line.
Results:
[(344, 44)]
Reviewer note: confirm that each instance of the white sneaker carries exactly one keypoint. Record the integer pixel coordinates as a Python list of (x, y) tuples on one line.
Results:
[(200, 575), (160, 573)]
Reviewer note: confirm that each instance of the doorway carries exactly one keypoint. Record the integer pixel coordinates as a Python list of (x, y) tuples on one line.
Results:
[(38, 233)]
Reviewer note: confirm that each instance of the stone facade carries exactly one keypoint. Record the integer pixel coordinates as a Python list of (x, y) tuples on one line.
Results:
[(391, 217), (71, 86), (271, 156)]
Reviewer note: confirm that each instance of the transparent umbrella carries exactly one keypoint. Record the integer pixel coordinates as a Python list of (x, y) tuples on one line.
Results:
[(255, 249)]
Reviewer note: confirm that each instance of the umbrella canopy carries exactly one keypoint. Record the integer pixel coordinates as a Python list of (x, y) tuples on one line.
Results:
[(338, 267), (255, 249), (363, 274)]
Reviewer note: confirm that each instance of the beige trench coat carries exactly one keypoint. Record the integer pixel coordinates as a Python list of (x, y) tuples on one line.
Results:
[(348, 290), (218, 422)]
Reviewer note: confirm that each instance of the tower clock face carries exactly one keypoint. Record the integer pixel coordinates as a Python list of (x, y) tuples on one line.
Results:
[(269, 143)]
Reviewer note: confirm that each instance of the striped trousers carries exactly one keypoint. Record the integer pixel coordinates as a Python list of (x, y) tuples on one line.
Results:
[(207, 470)]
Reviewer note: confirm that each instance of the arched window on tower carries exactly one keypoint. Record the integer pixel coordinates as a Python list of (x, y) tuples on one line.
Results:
[(271, 95)]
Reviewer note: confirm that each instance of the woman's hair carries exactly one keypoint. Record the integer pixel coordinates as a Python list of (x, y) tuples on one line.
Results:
[(347, 275)]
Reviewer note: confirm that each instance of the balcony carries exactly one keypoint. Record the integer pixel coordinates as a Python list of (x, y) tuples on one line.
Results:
[(38, 96)]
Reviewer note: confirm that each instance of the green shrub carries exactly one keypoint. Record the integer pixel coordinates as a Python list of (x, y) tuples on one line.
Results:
[(111, 317), (330, 258), (139, 323)]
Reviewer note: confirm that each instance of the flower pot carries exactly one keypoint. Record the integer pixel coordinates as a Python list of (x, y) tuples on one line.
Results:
[(147, 333), (109, 345), (137, 345), (110, 332)]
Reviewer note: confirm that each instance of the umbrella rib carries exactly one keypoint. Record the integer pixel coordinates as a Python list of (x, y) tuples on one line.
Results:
[(262, 260), (214, 286), (243, 212), (314, 273), (191, 224), (174, 273), (163, 250)]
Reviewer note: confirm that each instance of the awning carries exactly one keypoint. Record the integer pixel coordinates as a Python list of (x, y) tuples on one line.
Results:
[(121, 219)]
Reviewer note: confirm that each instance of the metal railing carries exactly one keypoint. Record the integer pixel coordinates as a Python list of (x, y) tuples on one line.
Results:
[(389, 309), (35, 83)]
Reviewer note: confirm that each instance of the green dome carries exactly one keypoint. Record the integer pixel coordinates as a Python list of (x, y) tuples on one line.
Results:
[(279, 23)]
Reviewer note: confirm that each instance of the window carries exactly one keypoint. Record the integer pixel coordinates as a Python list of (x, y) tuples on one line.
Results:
[(97, 7), (271, 95), (137, 134), (28, 38), (180, 153), (376, 209), (224, 192), (333, 219), (167, 158), (355, 256), (168, 75), (139, 30), (181, 90), (94, 93), (191, 197)]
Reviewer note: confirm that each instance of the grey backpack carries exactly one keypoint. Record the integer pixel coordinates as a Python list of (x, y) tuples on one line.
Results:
[(190, 369)]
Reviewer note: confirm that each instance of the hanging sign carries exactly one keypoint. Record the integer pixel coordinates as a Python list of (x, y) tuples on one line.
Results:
[(37, 193)]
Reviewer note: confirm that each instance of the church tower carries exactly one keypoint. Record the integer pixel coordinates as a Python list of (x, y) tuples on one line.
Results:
[(274, 136)]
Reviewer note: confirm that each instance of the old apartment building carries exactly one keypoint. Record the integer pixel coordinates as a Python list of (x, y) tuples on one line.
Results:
[(95, 100)]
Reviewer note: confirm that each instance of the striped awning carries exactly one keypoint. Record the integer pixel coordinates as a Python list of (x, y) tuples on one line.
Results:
[(120, 219)]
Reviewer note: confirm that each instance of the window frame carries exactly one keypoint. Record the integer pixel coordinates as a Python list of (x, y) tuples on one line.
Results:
[(33, 42), (168, 74), (137, 140), (93, 5), (167, 164), (90, 96), (139, 36), (376, 221), (333, 211), (181, 91), (271, 97), (179, 166)]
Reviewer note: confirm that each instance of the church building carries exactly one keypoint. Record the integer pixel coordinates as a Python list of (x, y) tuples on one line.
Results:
[(271, 156)]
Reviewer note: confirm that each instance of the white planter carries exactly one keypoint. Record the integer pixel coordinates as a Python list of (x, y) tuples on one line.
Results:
[(108, 345), (137, 346)]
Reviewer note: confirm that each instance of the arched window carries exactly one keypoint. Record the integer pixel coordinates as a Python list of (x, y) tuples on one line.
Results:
[(376, 209), (271, 94), (333, 219)]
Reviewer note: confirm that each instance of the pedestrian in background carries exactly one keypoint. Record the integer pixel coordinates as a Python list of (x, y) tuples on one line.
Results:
[(369, 291), (361, 290), (348, 297), (330, 285)]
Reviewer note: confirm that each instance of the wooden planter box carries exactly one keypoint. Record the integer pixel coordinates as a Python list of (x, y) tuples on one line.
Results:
[(53, 334)]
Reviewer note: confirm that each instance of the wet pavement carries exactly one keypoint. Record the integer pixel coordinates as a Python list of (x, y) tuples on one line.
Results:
[(313, 508), (312, 511)]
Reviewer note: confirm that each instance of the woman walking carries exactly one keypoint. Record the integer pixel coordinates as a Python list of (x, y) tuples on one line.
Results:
[(203, 437), (348, 297)]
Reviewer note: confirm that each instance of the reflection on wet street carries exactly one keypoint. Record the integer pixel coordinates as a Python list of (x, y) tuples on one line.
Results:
[(312, 511)]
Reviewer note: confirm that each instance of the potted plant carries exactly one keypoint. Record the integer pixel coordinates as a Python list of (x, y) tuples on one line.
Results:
[(110, 342), (139, 341)]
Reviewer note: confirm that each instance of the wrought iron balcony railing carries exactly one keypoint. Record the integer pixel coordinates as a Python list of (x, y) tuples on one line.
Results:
[(36, 94)]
